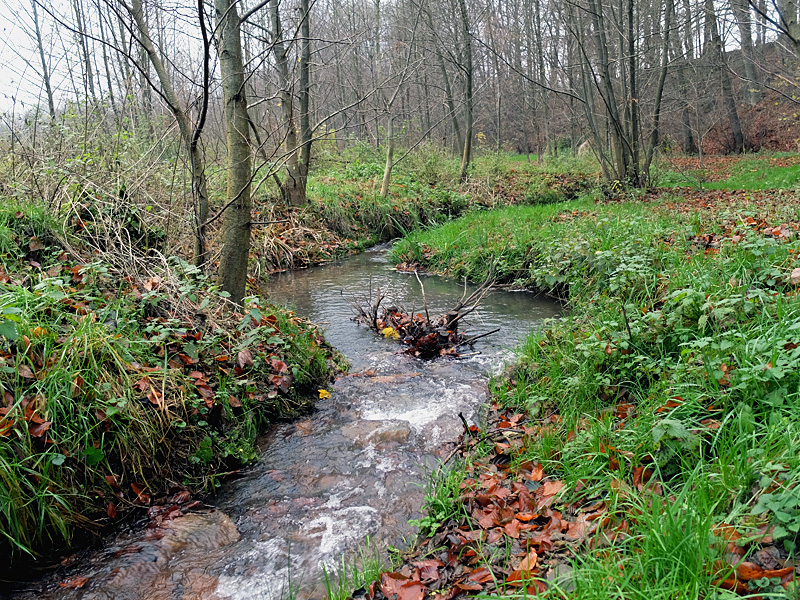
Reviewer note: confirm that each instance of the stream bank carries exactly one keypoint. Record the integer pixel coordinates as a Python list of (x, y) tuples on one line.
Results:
[(356, 467), (645, 445)]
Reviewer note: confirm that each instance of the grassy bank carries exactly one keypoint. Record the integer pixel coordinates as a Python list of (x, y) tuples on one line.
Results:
[(127, 381), (655, 427), (346, 212)]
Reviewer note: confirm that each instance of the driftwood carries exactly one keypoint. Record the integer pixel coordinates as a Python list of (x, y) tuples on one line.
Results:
[(425, 337)]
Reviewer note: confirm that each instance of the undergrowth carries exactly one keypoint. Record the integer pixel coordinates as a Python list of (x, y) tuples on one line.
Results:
[(679, 358), (119, 387)]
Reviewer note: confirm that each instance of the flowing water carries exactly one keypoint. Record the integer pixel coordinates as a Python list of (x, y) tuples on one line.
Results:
[(353, 469)]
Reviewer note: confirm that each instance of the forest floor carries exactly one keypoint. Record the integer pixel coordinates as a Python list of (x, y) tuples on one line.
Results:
[(645, 445)]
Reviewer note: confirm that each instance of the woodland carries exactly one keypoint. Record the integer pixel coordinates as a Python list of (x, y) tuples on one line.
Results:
[(637, 161)]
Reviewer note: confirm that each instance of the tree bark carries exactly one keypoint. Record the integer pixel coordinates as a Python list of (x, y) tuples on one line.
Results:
[(741, 12), (466, 156), (236, 224)]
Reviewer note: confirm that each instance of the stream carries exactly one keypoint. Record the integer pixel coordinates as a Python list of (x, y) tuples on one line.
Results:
[(353, 469)]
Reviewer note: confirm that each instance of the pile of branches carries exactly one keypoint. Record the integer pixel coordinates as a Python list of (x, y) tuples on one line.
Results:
[(425, 337)]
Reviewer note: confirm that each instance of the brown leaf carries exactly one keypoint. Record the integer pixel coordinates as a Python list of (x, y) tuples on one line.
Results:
[(550, 488), (39, 429), (154, 396), (141, 495), (279, 365), (732, 585), (748, 571), (429, 569), (234, 402), (512, 529), (152, 283), (111, 511), (111, 480), (529, 562), (74, 583), (182, 497), (480, 575), (466, 586), (35, 244), (244, 359), (5, 425), (25, 371), (400, 586)]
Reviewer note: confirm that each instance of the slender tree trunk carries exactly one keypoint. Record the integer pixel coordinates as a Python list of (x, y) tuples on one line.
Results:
[(634, 174), (741, 11), (81, 26), (236, 225), (654, 133), (466, 156), (297, 171), (718, 58), (107, 68), (45, 70), (448, 91), (387, 172), (189, 135), (304, 99)]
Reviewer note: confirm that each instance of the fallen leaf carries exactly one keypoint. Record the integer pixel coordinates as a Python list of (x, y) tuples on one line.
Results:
[(141, 495), (529, 562), (74, 583), (244, 359), (25, 371), (401, 587), (39, 429), (480, 575), (324, 394)]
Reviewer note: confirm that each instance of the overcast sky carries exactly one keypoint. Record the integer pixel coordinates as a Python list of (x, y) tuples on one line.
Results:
[(19, 61)]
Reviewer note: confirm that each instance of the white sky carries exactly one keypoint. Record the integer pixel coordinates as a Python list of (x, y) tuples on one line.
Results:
[(20, 65)]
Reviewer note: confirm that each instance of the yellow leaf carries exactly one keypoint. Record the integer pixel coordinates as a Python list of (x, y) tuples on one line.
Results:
[(390, 332), (324, 394)]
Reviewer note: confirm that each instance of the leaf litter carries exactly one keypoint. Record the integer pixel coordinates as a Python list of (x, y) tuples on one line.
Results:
[(519, 528)]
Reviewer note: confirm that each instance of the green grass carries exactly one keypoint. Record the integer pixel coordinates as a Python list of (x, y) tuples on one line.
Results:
[(425, 191), (655, 318), (355, 572), (113, 384), (749, 173)]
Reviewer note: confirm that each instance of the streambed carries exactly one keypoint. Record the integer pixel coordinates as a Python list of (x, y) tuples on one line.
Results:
[(353, 469)]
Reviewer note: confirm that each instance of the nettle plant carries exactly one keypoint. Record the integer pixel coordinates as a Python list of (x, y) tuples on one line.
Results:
[(783, 504)]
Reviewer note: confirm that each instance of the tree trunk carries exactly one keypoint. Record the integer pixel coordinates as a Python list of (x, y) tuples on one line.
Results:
[(189, 135), (82, 37), (654, 133), (295, 187), (387, 171), (304, 98), (752, 88), (466, 156), (236, 225), (718, 58), (45, 70)]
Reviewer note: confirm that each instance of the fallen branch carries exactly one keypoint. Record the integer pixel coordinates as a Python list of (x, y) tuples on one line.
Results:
[(425, 337)]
